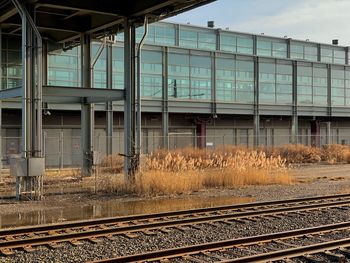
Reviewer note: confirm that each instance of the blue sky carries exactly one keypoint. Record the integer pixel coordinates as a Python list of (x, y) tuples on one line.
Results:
[(317, 20)]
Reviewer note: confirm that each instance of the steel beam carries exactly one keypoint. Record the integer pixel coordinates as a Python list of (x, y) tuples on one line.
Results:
[(87, 109), (11, 93), (256, 117), (129, 104), (138, 97), (109, 104), (0, 101), (165, 95), (89, 95)]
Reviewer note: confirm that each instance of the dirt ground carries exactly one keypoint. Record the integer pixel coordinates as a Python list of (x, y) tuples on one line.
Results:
[(310, 180)]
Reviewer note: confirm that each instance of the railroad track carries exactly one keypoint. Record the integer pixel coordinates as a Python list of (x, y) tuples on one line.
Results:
[(283, 246), (28, 238)]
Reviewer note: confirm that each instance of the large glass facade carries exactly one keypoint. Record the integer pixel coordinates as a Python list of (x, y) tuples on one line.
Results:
[(64, 68), (158, 34), (304, 87), (226, 79), (236, 43), (312, 85), (197, 39), (118, 68), (245, 80), (275, 83), (190, 68), (151, 74), (338, 87), (303, 50), (332, 55), (189, 76), (347, 87), (271, 48), (99, 69), (11, 64), (320, 83)]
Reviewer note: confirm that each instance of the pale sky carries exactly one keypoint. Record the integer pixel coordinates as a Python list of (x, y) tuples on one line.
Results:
[(316, 20)]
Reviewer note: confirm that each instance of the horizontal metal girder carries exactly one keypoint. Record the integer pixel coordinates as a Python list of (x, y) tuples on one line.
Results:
[(10, 93), (80, 95)]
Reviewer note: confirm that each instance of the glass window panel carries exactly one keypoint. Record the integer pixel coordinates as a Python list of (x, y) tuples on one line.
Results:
[(228, 42)]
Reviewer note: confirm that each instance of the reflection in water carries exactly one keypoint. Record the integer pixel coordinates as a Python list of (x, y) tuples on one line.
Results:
[(113, 208)]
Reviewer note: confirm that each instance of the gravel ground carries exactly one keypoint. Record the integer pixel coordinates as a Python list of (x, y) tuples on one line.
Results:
[(311, 181)]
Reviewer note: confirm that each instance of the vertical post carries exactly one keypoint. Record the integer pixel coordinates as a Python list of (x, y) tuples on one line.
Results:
[(61, 150), (165, 96), (315, 133), (328, 133), (129, 103), (138, 97), (295, 127), (87, 109), (256, 121), (0, 102), (109, 104), (201, 135)]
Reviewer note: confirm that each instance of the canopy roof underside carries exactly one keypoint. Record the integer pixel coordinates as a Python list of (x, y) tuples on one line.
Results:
[(65, 20)]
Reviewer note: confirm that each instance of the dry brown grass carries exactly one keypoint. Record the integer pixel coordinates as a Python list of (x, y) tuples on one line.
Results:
[(331, 154), (189, 170)]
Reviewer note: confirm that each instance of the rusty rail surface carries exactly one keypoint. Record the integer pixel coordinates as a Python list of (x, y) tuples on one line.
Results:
[(52, 235)]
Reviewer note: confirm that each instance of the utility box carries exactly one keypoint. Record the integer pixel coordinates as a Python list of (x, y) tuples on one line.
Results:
[(27, 167)]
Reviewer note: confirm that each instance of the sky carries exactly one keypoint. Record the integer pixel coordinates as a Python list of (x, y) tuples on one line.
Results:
[(316, 20)]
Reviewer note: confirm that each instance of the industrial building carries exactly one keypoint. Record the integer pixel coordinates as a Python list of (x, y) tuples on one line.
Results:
[(200, 86)]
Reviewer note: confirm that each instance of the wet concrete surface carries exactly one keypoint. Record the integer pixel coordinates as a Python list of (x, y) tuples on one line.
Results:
[(109, 208)]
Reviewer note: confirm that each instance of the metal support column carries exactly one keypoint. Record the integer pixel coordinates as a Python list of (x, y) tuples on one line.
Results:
[(109, 104), (0, 100), (30, 168), (138, 97), (87, 109), (295, 127), (256, 120), (165, 96), (129, 103), (328, 133)]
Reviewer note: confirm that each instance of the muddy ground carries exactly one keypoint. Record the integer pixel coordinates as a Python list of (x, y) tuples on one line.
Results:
[(60, 204)]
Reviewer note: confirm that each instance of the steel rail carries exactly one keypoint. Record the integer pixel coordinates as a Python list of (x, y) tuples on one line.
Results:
[(293, 252), (112, 220), (54, 237), (226, 244)]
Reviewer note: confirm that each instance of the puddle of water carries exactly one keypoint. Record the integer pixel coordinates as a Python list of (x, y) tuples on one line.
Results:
[(113, 208)]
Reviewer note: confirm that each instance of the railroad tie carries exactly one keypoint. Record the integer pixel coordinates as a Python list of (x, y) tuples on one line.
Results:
[(149, 232), (345, 251), (131, 235), (215, 256), (95, 240), (75, 242), (181, 228), (9, 238), (110, 237), (312, 259), (338, 257), (165, 230), (192, 259), (6, 251), (54, 245), (241, 221), (28, 248)]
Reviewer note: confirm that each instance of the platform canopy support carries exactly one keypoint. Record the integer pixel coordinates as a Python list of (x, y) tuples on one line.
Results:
[(29, 168)]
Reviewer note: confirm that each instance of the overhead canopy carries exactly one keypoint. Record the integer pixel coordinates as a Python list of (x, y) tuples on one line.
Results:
[(64, 20)]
